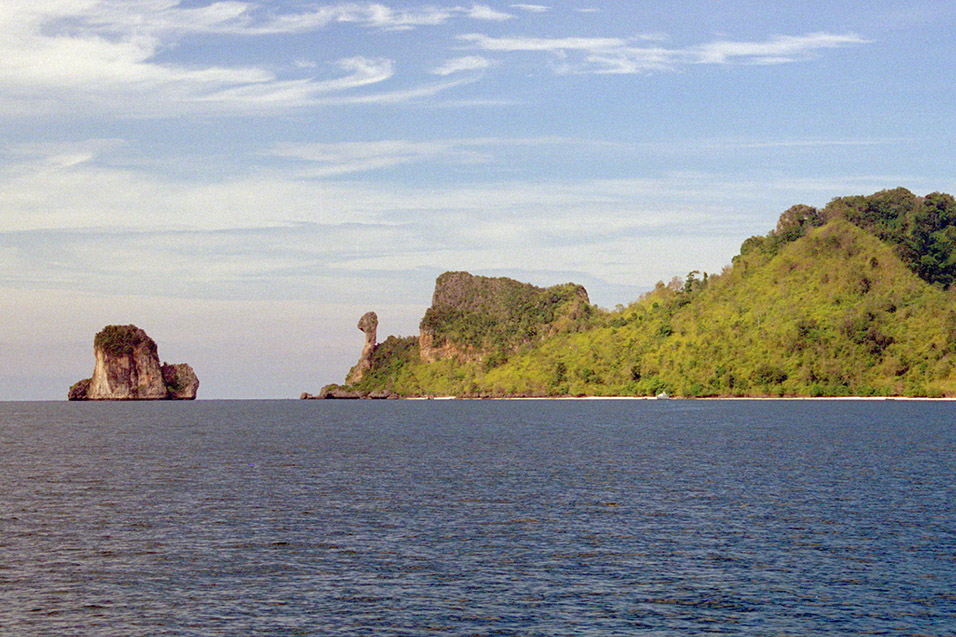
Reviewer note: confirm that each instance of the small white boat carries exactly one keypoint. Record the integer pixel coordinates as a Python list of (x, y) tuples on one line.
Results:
[(662, 396)]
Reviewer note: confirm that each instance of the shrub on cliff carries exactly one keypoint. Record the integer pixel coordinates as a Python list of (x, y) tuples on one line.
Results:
[(118, 340), (497, 315)]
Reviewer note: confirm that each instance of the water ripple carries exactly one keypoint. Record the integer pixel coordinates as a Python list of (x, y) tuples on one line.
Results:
[(477, 518)]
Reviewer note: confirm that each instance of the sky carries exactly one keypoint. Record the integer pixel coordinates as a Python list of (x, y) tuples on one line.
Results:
[(244, 179)]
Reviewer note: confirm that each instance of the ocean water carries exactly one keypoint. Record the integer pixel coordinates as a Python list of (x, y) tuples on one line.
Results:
[(478, 518)]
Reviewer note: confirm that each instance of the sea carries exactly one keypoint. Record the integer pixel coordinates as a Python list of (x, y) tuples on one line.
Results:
[(447, 517)]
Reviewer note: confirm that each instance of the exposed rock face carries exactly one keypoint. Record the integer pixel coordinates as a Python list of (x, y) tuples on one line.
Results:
[(368, 324), (474, 317), (128, 368)]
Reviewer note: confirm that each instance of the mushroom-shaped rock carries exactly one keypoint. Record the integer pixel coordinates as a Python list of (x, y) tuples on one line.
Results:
[(368, 324)]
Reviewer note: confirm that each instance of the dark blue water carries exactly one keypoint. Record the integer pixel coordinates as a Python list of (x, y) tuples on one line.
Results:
[(478, 518)]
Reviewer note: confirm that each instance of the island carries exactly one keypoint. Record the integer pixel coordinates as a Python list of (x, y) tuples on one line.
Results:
[(128, 368), (853, 299)]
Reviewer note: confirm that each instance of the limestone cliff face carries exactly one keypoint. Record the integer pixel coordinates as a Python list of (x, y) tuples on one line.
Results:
[(368, 324), (435, 348), (474, 317), (128, 368)]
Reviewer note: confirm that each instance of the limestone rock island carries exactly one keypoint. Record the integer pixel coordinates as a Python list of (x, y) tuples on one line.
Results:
[(128, 368)]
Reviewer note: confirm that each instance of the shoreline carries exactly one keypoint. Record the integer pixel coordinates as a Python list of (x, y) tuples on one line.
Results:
[(779, 398)]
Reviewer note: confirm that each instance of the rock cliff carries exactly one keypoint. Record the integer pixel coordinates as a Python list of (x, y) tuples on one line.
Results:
[(128, 368), (474, 317)]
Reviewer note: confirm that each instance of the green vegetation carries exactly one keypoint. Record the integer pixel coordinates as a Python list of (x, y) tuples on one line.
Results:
[(390, 361), (119, 340), (921, 230), (853, 299), (499, 315)]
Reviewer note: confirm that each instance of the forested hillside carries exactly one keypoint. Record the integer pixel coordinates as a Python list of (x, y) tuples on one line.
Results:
[(850, 299)]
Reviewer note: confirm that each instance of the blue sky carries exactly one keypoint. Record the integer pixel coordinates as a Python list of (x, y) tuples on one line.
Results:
[(244, 179)]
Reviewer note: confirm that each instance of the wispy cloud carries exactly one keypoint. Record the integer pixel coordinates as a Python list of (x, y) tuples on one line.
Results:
[(332, 159), (271, 231), (371, 15), (114, 56), (533, 8), (615, 55), (522, 43), (325, 160), (106, 56), (463, 64), (249, 17), (397, 96), (777, 50), (35, 156), (360, 72), (484, 12), (340, 158)]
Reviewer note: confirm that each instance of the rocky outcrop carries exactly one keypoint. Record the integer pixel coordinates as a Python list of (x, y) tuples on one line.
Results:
[(128, 368), (181, 381), (79, 390), (473, 318), (338, 392), (368, 324)]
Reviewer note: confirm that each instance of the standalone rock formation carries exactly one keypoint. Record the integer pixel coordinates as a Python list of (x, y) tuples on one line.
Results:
[(368, 324), (128, 368)]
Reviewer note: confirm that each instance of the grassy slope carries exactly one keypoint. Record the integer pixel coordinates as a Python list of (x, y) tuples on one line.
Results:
[(833, 313)]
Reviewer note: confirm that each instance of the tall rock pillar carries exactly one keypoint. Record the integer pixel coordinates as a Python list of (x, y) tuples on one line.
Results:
[(368, 324)]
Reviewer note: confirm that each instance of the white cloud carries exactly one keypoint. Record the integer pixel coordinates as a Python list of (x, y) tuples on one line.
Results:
[(236, 237), (632, 60), (252, 18), (484, 12), (522, 43), (109, 56), (361, 72), (395, 96), (36, 155), (40, 195), (778, 49), (533, 8), (340, 158), (239, 18), (107, 64), (106, 56), (377, 15), (617, 56), (462, 64), (332, 159)]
